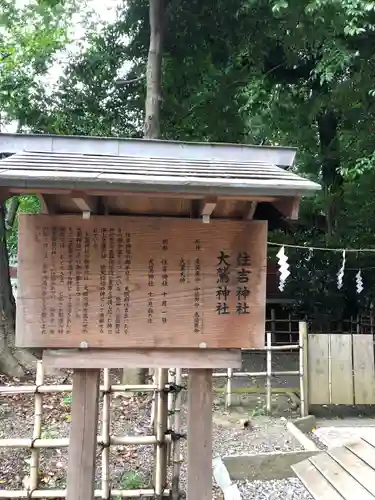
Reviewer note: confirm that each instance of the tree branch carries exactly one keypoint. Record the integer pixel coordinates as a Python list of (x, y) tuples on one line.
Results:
[(11, 212), (132, 80)]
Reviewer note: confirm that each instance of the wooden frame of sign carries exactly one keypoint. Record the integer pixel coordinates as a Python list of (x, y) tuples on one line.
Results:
[(140, 282), (110, 291)]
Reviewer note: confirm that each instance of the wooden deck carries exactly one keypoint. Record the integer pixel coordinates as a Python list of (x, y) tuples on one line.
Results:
[(344, 473)]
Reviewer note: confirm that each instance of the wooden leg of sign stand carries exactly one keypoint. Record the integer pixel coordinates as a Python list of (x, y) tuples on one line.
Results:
[(83, 435), (199, 435)]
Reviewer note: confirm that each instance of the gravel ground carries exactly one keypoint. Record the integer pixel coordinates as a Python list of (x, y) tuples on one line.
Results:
[(131, 466), (286, 489)]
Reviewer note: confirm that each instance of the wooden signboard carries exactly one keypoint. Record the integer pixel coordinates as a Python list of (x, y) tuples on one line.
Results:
[(140, 282)]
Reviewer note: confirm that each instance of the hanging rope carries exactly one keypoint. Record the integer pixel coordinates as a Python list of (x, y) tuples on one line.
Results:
[(328, 249)]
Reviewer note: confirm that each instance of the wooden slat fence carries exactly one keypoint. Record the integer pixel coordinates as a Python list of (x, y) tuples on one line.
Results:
[(341, 369)]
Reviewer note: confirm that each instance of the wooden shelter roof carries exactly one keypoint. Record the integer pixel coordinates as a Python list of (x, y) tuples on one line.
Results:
[(15, 143), (150, 174), (72, 174)]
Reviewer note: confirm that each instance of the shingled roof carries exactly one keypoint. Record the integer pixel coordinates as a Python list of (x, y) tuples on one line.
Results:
[(150, 174)]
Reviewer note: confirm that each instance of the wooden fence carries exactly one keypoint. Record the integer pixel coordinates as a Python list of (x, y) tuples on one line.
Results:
[(341, 369), (166, 426), (267, 375)]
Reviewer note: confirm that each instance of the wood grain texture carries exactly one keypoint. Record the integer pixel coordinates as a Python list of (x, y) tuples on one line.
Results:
[(343, 482), (143, 358), (364, 450), (315, 483), (318, 369), (199, 482), (364, 370), (341, 369), (356, 467), (140, 282), (83, 435)]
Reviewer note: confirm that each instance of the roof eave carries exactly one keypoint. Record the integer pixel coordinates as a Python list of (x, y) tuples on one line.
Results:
[(16, 143), (199, 189)]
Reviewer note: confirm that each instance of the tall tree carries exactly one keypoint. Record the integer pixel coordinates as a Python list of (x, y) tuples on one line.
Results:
[(30, 37), (154, 69), (305, 79), (152, 129)]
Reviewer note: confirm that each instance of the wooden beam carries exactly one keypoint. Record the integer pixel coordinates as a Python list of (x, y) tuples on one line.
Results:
[(250, 210), (288, 206), (143, 358), (199, 482), (117, 192), (265, 466), (103, 205), (83, 435), (4, 194), (47, 205), (84, 202), (208, 205), (16, 190)]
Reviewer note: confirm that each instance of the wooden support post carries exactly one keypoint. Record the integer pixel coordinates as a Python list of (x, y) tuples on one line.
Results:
[(269, 373), (228, 398), (160, 430), (249, 213), (176, 442), (273, 325), (199, 484), (83, 435), (38, 409), (303, 364)]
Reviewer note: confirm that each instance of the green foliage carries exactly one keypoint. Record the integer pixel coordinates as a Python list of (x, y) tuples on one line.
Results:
[(29, 205), (132, 480), (297, 73), (30, 37), (67, 401)]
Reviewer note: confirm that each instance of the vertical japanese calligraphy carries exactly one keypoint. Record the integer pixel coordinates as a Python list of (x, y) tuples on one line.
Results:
[(86, 276), (140, 282), (243, 276), (46, 251), (223, 277), (111, 258), (95, 238), (126, 295), (69, 311), (78, 273), (119, 285), (103, 278), (197, 295), (53, 279), (151, 283), (61, 318), (182, 270), (164, 281)]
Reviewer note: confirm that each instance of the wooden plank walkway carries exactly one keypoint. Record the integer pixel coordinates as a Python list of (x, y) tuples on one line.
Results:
[(344, 473)]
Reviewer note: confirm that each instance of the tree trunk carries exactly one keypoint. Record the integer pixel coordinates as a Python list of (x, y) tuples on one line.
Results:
[(154, 69), (330, 160), (12, 361), (152, 117)]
